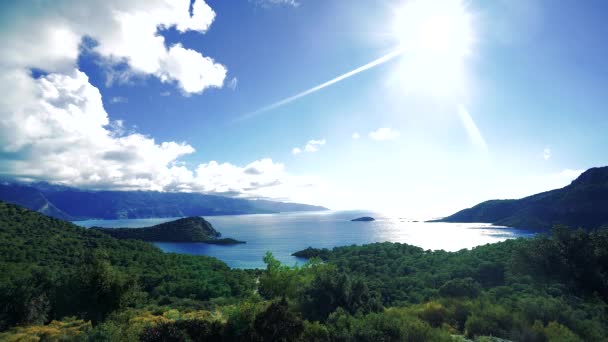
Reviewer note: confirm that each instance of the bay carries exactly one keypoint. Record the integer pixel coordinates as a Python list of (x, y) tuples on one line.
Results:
[(285, 233)]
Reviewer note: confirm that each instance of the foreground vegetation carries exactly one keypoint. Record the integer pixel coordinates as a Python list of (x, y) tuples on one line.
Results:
[(62, 282)]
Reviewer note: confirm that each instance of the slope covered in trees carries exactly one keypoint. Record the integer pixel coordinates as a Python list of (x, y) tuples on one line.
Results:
[(583, 203), (63, 282), (187, 229)]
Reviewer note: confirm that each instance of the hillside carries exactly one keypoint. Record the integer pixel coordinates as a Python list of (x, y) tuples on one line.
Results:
[(53, 269), (583, 203), (75, 204), (60, 282), (188, 229)]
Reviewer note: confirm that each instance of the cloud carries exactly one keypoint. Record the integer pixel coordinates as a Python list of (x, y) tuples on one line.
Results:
[(165, 93), (60, 132), (118, 99), (233, 83), (547, 153), (311, 146), (54, 127), (356, 135), (274, 3), (384, 133), (314, 145), (126, 36)]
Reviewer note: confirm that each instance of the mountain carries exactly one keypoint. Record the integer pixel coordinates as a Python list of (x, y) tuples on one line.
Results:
[(583, 203), (188, 229), (74, 204)]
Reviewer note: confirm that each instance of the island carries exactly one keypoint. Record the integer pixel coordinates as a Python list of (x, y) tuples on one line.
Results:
[(188, 229), (363, 219)]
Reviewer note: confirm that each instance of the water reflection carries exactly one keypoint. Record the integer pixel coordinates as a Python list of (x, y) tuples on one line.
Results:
[(285, 233)]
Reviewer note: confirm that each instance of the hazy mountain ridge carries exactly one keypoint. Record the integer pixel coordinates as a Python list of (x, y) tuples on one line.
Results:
[(74, 204), (583, 203)]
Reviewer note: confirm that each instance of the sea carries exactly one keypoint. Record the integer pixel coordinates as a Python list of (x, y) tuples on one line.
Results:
[(285, 233)]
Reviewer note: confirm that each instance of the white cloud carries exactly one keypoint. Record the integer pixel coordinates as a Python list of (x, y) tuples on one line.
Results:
[(384, 133), (119, 99), (272, 3), (60, 132), (55, 127), (311, 146), (165, 93), (314, 145), (233, 83), (547, 153), (47, 36), (356, 135)]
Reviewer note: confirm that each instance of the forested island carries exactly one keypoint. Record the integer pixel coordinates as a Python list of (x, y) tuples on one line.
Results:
[(188, 229), (63, 282)]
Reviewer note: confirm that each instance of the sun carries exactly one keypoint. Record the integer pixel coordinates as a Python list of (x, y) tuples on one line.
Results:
[(434, 28), (434, 38)]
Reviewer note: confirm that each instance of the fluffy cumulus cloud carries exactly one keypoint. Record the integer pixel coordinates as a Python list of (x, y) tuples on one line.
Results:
[(311, 146), (54, 126), (384, 133), (47, 35)]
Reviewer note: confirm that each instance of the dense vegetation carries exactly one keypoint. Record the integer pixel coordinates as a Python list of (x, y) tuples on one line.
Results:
[(187, 229), (583, 203), (74, 204), (62, 282)]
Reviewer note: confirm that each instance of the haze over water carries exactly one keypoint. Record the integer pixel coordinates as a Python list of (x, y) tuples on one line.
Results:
[(285, 233)]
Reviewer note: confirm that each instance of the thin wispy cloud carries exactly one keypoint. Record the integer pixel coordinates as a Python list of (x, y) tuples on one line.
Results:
[(274, 3), (547, 153), (118, 99), (233, 83), (314, 89), (356, 135), (384, 133)]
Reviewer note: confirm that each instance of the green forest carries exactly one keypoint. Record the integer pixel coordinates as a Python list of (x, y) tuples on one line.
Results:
[(61, 282)]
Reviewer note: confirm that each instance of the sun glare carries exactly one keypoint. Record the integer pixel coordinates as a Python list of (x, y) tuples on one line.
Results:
[(434, 28), (434, 37)]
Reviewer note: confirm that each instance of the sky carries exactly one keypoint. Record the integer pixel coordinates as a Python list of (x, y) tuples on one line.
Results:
[(416, 108)]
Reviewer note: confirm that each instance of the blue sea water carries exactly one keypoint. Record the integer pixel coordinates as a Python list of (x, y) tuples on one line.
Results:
[(285, 233)]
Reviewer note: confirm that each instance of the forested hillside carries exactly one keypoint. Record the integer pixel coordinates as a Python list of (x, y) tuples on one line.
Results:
[(583, 203), (60, 281)]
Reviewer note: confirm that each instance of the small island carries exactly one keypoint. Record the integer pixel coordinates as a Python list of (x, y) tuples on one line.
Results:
[(189, 229), (363, 219)]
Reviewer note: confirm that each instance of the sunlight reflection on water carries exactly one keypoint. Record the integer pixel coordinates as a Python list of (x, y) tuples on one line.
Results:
[(285, 233)]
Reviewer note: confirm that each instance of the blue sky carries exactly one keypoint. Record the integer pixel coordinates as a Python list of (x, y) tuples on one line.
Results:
[(522, 110)]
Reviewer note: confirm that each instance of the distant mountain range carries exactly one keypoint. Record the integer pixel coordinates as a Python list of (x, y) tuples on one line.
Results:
[(71, 204), (583, 203)]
